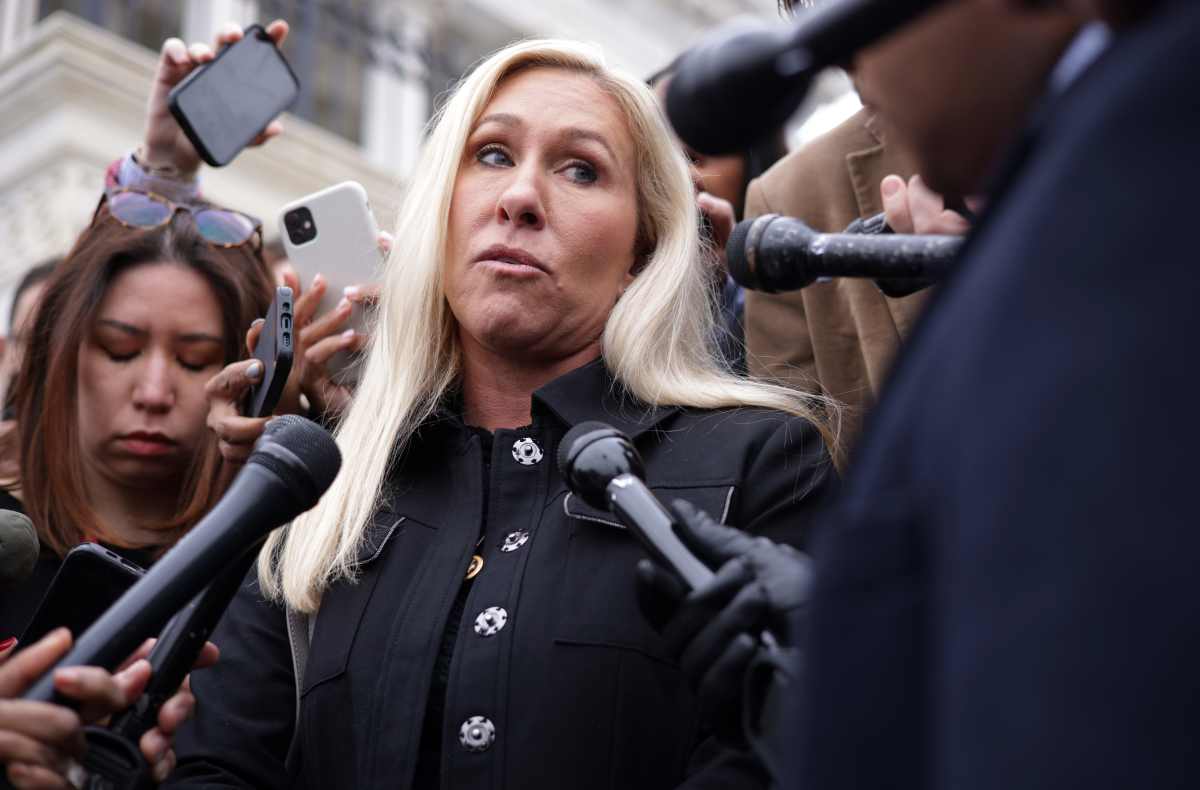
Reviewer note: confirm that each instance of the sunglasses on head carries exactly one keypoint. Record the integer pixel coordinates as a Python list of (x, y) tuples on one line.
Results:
[(218, 226)]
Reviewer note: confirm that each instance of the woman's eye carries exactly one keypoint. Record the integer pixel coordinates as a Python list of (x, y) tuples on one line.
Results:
[(119, 356), (197, 365), (581, 172), (494, 156)]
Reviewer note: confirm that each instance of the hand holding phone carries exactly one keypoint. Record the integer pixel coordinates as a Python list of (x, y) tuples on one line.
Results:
[(333, 232), (274, 350), (229, 102)]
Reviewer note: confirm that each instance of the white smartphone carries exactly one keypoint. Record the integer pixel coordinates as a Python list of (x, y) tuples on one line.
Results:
[(333, 232)]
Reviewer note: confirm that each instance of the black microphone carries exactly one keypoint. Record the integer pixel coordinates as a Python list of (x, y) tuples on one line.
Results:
[(183, 638), (773, 253), (602, 467), (18, 548), (741, 84), (289, 470)]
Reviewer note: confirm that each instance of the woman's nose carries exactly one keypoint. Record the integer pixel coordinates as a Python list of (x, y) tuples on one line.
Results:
[(521, 201), (154, 390)]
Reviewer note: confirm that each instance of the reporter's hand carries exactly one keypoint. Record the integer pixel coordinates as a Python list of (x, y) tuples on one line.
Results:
[(721, 219), (226, 391), (915, 208), (714, 629), (321, 337), (156, 743), (40, 741), (165, 144)]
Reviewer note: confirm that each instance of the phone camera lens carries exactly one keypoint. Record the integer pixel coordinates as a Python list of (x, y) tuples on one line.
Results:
[(300, 226)]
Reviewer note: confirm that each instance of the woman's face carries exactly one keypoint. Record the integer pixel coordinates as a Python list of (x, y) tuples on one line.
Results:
[(156, 341), (544, 218)]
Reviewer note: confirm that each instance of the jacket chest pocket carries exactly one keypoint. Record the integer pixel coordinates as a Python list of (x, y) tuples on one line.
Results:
[(344, 620), (598, 602)]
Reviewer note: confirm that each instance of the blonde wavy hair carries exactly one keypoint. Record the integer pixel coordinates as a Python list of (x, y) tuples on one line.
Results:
[(657, 343)]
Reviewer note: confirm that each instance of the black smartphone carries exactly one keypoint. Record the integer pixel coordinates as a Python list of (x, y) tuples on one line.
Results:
[(274, 351), (223, 105), (90, 579)]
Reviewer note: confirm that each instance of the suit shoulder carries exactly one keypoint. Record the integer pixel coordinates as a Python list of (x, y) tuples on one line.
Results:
[(746, 428), (818, 169), (814, 157)]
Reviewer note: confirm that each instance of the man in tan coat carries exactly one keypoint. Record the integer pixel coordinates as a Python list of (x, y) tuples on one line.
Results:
[(838, 338)]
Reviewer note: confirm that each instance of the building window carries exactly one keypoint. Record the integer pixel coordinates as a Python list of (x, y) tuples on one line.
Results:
[(148, 22)]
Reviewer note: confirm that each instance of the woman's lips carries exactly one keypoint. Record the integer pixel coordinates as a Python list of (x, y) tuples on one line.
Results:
[(511, 261), (147, 444)]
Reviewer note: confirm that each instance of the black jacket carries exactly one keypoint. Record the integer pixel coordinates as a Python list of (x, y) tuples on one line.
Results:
[(1007, 596), (576, 684)]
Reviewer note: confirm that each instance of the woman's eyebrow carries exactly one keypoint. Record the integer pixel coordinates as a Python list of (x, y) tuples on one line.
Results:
[(502, 118), (576, 133), (568, 133), (128, 329), (187, 337), (200, 337)]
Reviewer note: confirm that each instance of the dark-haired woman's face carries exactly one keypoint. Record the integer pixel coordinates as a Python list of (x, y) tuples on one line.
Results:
[(156, 341)]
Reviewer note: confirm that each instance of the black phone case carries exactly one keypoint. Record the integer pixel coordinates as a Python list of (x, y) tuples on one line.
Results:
[(90, 579), (274, 351), (255, 31)]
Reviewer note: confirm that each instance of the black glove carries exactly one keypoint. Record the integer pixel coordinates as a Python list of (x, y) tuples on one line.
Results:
[(714, 630)]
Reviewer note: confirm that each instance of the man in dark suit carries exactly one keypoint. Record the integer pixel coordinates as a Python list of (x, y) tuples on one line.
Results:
[(1005, 596)]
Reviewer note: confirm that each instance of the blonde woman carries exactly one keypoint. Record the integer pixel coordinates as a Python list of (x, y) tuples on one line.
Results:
[(465, 621)]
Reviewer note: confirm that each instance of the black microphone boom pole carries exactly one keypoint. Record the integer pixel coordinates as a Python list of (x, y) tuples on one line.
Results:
[(773, 253), (730, 91), (287, 473)]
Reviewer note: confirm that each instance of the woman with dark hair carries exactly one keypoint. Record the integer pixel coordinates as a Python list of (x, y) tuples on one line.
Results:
[(110, 401), (153, 300), (110, 398)]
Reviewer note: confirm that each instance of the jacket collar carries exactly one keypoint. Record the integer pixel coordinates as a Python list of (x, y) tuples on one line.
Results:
[(591, 393)]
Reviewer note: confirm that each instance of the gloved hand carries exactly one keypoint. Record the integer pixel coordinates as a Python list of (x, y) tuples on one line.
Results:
[(715, 630)]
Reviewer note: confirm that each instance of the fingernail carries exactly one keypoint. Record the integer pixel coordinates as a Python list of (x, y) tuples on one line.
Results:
[(254, 370), (318, 280), (69, 676), (344, 304), (258, 322), (890, 186), (348, 333), (350, 291), (7, 643)]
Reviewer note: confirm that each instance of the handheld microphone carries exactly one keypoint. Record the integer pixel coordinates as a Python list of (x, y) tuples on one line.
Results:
[(183, 638), (18, 548), (602, 467), (773, 253), (741, 84), (289, 470)]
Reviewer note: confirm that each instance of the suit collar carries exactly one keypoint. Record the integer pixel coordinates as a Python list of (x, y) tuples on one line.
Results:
[(591, 393), (587, 393)]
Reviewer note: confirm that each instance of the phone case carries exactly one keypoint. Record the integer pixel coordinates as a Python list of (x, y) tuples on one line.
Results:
[(175, 100), (345, 249), (90, 579), (274, 351)]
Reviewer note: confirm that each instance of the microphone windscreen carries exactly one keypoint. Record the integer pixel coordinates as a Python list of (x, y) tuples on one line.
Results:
[(315, 455), (736, 258), (18, 547), (570, 446)]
